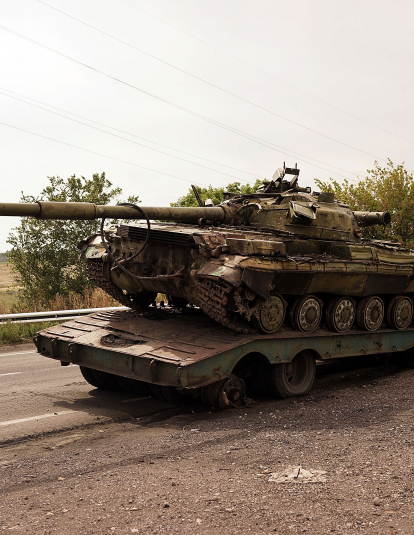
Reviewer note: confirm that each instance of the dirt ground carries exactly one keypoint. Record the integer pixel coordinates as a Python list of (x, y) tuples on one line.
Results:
[(194, 471)]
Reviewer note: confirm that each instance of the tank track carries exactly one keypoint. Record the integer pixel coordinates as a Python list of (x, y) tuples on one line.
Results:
[(94, 268), (213, 299)]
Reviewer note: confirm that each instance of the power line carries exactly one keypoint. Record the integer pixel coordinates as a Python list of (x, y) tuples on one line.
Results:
[(100, 154), (161, 99), (128, 133), (216, 86), (263, 142), (267, 74), (120, 137)]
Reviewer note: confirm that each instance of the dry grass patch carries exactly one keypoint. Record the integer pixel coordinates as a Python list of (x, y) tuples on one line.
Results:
[(6, 277)]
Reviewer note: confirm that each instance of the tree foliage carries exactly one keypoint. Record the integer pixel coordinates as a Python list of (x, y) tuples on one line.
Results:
[(389, 188), (216, 194), (43, 255)]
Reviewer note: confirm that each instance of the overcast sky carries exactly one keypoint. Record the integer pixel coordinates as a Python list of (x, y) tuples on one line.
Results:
[(335, 92)]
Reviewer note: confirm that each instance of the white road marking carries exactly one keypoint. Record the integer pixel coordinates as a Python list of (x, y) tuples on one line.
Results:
[(21, 353), (30, 418), (41, 370)]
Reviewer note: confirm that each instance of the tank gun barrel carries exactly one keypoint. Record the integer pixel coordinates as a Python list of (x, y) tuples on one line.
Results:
[(88, 211), (367, 219)]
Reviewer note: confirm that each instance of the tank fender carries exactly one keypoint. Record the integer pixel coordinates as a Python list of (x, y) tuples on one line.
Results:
[(91, 247), (258, 281), (216, 269)]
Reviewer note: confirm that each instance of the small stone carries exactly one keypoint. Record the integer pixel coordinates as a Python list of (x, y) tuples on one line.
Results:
[(166, 505), (151, 462), (377, 501), (134, 530), (173, 484), (198, 521)]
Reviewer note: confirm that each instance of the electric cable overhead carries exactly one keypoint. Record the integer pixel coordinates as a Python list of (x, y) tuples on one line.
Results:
[(120, 137), (256, 175), (263, 142), (100, 154), (216, 86), (161, 99), (266, 73)]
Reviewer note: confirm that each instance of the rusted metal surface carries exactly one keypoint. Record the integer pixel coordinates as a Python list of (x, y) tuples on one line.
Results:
[(190, 350)]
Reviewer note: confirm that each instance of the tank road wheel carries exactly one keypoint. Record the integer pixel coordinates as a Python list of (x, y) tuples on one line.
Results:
[(306, 313), (370, 313), (104, 380), (270, 315), (340, 314), (228, 392), (293, 378), (400, 312)]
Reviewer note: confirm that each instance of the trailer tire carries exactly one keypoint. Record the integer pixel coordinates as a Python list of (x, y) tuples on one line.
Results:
[(103, 380), (258, 381), (156, 391), (140, 387), (406, 358), (228, 392), (173, 396), (294, 378), (134, 385)]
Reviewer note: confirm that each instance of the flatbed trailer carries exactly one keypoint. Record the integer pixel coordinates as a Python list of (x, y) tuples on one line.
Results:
[(180, 356)]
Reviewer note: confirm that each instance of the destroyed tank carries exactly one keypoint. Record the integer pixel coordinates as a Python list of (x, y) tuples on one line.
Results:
[(282, 256)]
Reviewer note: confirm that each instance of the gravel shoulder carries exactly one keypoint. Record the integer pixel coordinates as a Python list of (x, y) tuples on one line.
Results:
[(208, 472)]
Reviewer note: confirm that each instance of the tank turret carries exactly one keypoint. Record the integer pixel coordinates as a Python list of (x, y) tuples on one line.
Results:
[(280, 256)]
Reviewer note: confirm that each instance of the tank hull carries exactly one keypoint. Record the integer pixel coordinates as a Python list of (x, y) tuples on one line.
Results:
[(247, 268)]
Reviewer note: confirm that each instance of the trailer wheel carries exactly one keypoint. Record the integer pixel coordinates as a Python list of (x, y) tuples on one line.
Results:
[(293, 378), (405, 358), (104, 380), (175, 397), (140, 387), (156, 391), (134, 385), (228, 392), (260, 372)]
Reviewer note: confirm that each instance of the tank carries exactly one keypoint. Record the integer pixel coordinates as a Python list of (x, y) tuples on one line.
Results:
[(283, 257)]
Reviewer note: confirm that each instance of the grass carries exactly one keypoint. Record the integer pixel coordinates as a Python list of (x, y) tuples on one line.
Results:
[(10, 302), (13, 333)]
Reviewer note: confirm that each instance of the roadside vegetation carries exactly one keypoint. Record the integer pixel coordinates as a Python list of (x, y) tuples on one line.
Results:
[(389, 188)]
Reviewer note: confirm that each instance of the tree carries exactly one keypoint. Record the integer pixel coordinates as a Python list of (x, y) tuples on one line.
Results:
[(389, 188), (43, 255), (216, 194)]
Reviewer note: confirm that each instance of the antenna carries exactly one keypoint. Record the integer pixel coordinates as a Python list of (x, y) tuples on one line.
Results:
[(197, 195)]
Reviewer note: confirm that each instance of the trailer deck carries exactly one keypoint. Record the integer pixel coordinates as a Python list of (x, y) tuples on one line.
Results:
[(190, 350)]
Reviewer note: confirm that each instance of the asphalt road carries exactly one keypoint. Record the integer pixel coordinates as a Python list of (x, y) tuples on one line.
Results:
[(38, 395)]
